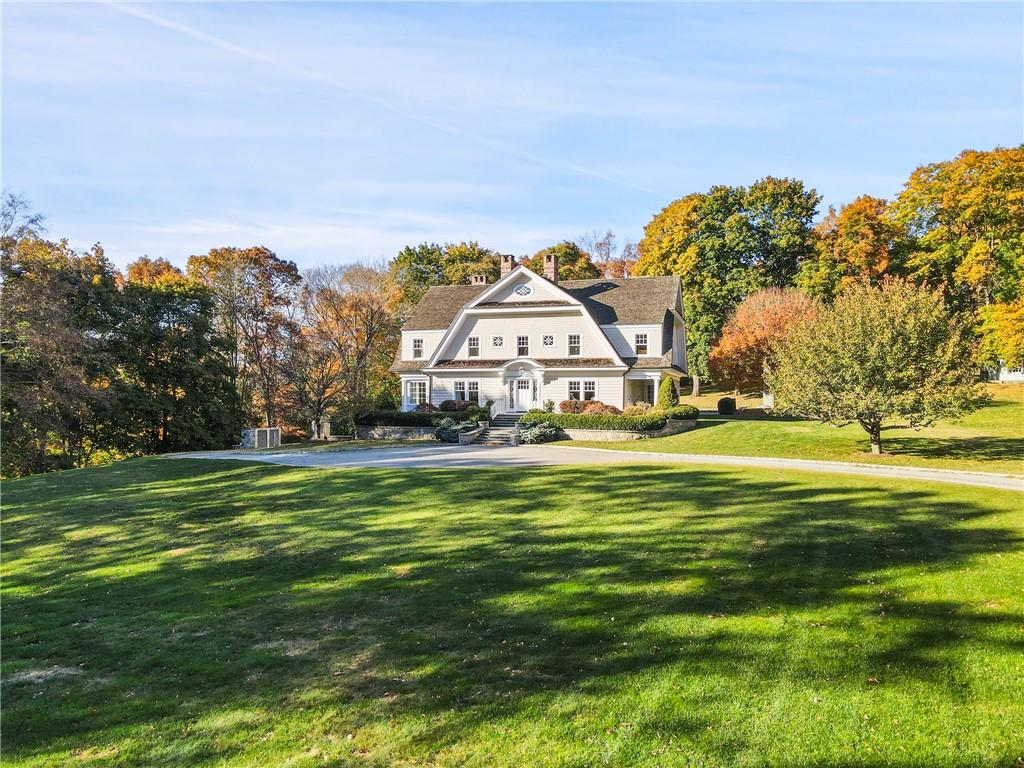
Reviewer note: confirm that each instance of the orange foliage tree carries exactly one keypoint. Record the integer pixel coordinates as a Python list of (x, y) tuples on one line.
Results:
[(738, 357)]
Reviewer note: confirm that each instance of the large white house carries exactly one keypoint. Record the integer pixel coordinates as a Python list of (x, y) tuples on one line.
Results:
[(529, 338)]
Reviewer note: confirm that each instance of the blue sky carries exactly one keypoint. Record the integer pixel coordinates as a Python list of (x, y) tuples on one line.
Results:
[(340, 132)]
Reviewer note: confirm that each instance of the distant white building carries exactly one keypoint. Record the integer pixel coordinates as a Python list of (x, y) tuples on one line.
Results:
[(1005, 374), (530, 338)]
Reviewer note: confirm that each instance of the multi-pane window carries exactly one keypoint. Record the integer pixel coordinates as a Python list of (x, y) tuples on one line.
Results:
[(582, 390), (641, 343), (467, 390), (574, 345), (473, 345), (417, 348), (417, 392), (523, 346), (549, 340), (497, 341)]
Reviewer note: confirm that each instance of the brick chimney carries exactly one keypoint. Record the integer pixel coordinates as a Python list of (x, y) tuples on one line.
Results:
[(478, 279), (551, 267), (508, 263)]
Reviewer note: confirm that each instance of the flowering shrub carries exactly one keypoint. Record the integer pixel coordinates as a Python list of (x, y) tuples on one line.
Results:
[(596, 406), (426, 408)]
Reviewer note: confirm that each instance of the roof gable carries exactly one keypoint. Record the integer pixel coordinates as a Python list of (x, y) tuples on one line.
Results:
[(610, 301)]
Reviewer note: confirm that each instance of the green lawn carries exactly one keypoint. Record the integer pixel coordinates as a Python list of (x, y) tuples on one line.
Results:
[(989, 440), (166, 612)]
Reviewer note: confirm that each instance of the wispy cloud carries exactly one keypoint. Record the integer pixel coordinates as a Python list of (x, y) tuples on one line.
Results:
[(397, 111)]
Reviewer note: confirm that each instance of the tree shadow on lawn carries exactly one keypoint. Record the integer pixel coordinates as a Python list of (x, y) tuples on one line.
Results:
[(463, 597), (977, 448)]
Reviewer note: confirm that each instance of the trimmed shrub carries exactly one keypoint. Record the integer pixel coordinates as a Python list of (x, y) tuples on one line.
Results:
[(456, 405), (373, 418), (596, 406), (385, 401), (668, 397), (542, 432), (637, 409), (653, 420), (572, 406), (727, 406), (682, 412), (343, 425), (448, 429), (426, 408)]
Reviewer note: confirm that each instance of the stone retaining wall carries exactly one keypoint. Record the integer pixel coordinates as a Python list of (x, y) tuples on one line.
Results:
[(394, 433), (672, 427)]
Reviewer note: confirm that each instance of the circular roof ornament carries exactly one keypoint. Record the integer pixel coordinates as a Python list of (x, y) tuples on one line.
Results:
[(523, 290)]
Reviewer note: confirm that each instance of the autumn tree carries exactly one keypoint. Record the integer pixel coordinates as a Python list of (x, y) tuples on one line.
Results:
[(1002, 333), (355, 306), (573, 262), (311, 366), (252, 290), (881, 357), (760, 321), (966, 220), (159, 271), (861, 242), (57, 308)]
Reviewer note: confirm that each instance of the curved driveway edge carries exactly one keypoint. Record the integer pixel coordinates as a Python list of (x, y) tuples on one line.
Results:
[(439, 456)]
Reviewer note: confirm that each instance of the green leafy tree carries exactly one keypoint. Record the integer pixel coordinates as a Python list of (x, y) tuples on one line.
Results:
[(173, 384), (668, 397), (416, 268), (573, 262), (878, 355), (780, 213)]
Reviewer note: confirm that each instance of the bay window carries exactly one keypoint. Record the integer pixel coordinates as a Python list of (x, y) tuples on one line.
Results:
[(417, 392)]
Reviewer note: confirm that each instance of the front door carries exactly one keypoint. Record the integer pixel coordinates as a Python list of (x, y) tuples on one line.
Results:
[(523, 394)]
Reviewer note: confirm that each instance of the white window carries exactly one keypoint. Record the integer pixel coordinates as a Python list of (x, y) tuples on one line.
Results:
[(640, 342), (574, 390), (417, 392), (467, 390), (417, 348), (497, 341), (523, 290), (549, 340), (473, 345), (574, 345), (523, 346), (589, 390)]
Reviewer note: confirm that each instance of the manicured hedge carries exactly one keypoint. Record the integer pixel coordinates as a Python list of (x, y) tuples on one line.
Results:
[(641, 423), (374, 418)]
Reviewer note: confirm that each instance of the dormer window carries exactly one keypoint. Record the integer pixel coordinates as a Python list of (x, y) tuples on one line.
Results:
[(523, 346), (473, 346), (417, 349), (640, 341), (574, 345)]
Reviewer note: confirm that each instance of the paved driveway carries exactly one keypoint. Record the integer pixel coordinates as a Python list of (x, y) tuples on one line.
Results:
[(470, 456)]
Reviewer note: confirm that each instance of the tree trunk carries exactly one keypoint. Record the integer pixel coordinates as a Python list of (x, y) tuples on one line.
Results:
[(875, 433), (695, 391)]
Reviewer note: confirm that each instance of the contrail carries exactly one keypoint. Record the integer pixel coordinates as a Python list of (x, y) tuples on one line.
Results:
[(322, 79)]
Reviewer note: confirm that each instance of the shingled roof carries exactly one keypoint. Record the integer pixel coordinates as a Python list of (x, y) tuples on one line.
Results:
[(631, 300)]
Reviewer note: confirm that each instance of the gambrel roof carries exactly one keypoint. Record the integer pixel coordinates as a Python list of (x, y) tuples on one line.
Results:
[(631, 301)]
